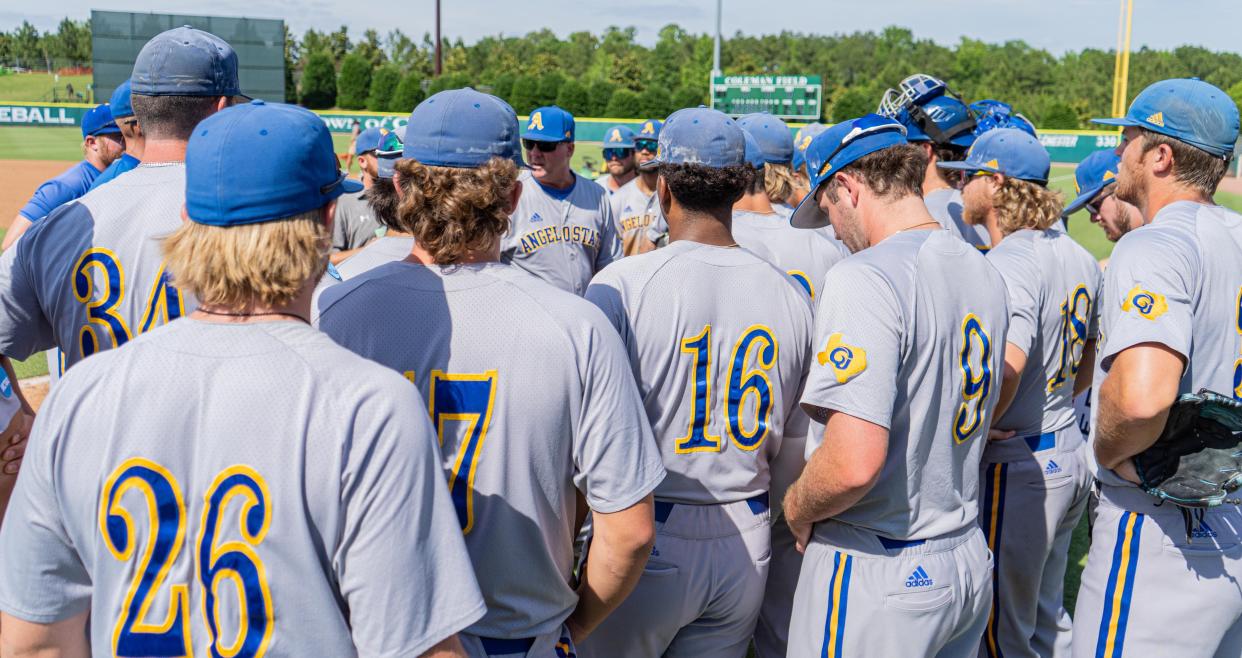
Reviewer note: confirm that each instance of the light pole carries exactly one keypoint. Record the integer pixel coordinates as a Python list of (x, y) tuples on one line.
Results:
[(716, 47), (438, 53)]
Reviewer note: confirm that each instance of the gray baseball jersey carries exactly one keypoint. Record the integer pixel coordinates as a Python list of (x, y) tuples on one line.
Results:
[(903, 343), (1175, 282), (532, 395), (382, 250), (634, 211), (300, 474), (1052, 285), (719, 367), (354, 224), (803, 255), (945, 205), (90, 276), (563, 237)]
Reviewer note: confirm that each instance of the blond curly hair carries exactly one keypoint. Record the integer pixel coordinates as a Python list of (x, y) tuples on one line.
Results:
[(1021, 204), (451, 211), (779, 183)]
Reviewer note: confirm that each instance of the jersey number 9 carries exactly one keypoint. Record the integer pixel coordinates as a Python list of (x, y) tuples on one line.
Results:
[(976, 366)]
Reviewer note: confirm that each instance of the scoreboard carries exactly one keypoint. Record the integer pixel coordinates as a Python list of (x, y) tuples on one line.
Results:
[(798, 97)]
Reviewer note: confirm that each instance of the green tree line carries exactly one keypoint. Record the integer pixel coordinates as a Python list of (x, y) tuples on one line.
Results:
[(612, 74)]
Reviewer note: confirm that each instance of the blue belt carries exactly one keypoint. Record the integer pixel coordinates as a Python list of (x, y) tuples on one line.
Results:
[(758, 504), (498, 647), (893, 544), (1041, 442)]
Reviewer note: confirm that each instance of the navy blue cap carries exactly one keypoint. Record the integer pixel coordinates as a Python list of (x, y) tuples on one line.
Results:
[(120, 102), (462, 128), (1096, 172), (802, 140), (1009, 152), (772, 135), (650, 129), (1188, 110), (619, 137), (836, 148), (700, 136), (549, 124), (260, 162), (754, 152), (184, 61), (376, 139), (98, 121)]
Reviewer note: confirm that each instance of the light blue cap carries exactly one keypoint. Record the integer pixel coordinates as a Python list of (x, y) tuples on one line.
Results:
[(1188, 110), (1096, 172), (772, 134), (650, 129), (549, 124), (836, 148), (619, 137), (462, 128), (1009, 152), (701, 136)]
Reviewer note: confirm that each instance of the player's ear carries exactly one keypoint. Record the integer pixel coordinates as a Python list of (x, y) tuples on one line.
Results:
[(571, 149), (514, 195), (185, 216), (664, 196), (329, 214), (1162, 160)]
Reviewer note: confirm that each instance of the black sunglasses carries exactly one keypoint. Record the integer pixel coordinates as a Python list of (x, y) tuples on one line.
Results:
[(646, 145), (546, 147), (617, 154), (1093, 207)]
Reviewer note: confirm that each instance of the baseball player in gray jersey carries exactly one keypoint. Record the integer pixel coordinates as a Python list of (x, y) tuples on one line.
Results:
[(1154, 583), (905, 381), (528, 423), (396, 242), (355, 224), (262, 499), (619, 159), (719, 368), (91, 277), (1035, 479), (562, 229), (635, 206)]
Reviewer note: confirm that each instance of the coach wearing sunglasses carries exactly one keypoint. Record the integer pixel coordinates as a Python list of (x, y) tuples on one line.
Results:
[(562, 230)]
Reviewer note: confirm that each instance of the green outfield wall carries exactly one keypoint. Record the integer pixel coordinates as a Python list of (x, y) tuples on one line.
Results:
[(1069, 146)]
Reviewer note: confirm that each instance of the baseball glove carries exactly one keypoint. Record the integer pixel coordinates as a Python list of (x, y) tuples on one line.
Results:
[(1197, 461)]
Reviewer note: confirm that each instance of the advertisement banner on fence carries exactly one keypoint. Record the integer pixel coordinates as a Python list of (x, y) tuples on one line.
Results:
[(1066, 146)]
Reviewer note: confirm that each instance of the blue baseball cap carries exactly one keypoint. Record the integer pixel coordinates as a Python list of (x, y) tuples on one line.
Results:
[(836, 148), (184, 61), (98, 121), (1096, 172), (120, 102), (700, 136), (1009, 152), (995, 114), (376, 139), (650, 129), (619, 137), (462, 128), (802, 140), (386, 163), (549, 124), (260, 162), (754, 152), (1188, 110), (772, 135)]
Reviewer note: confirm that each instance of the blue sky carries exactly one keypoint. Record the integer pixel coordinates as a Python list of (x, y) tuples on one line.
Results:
[(1057, 25)]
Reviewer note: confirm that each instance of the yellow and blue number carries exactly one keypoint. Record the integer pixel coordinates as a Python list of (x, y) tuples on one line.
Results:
[(744, 383), (466, 398), (1110, 643), (976, 383), (1237, 365), (838, 605), (698, 438), (236, 561), (133, 634), (1075, 321), (804, 281), (100, 313)]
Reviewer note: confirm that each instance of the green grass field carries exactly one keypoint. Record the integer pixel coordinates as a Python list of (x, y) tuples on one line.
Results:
[(37, 87)]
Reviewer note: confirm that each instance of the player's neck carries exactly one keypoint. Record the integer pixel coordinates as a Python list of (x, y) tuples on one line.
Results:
[(558, 181), (1161, 196), (297, 310), (932, 182), (163, 150), (992, 224), (714, 229), (421, 256), (616, 181), (647, 182), (886, 219), (756, 203)]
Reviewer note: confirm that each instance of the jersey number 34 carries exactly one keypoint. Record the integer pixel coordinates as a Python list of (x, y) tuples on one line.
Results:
[(215, 560)]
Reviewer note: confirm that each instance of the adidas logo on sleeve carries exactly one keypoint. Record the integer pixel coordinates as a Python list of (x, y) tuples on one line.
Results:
[(919, 578)]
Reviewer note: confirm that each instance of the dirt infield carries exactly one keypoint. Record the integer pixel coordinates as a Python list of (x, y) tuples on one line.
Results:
[(21, 178)]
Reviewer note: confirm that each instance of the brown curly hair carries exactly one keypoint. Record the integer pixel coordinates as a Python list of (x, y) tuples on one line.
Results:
[(1021, 204), (451, 212)]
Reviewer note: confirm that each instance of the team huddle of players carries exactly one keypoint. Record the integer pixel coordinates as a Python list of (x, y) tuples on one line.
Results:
[(812, 394)]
